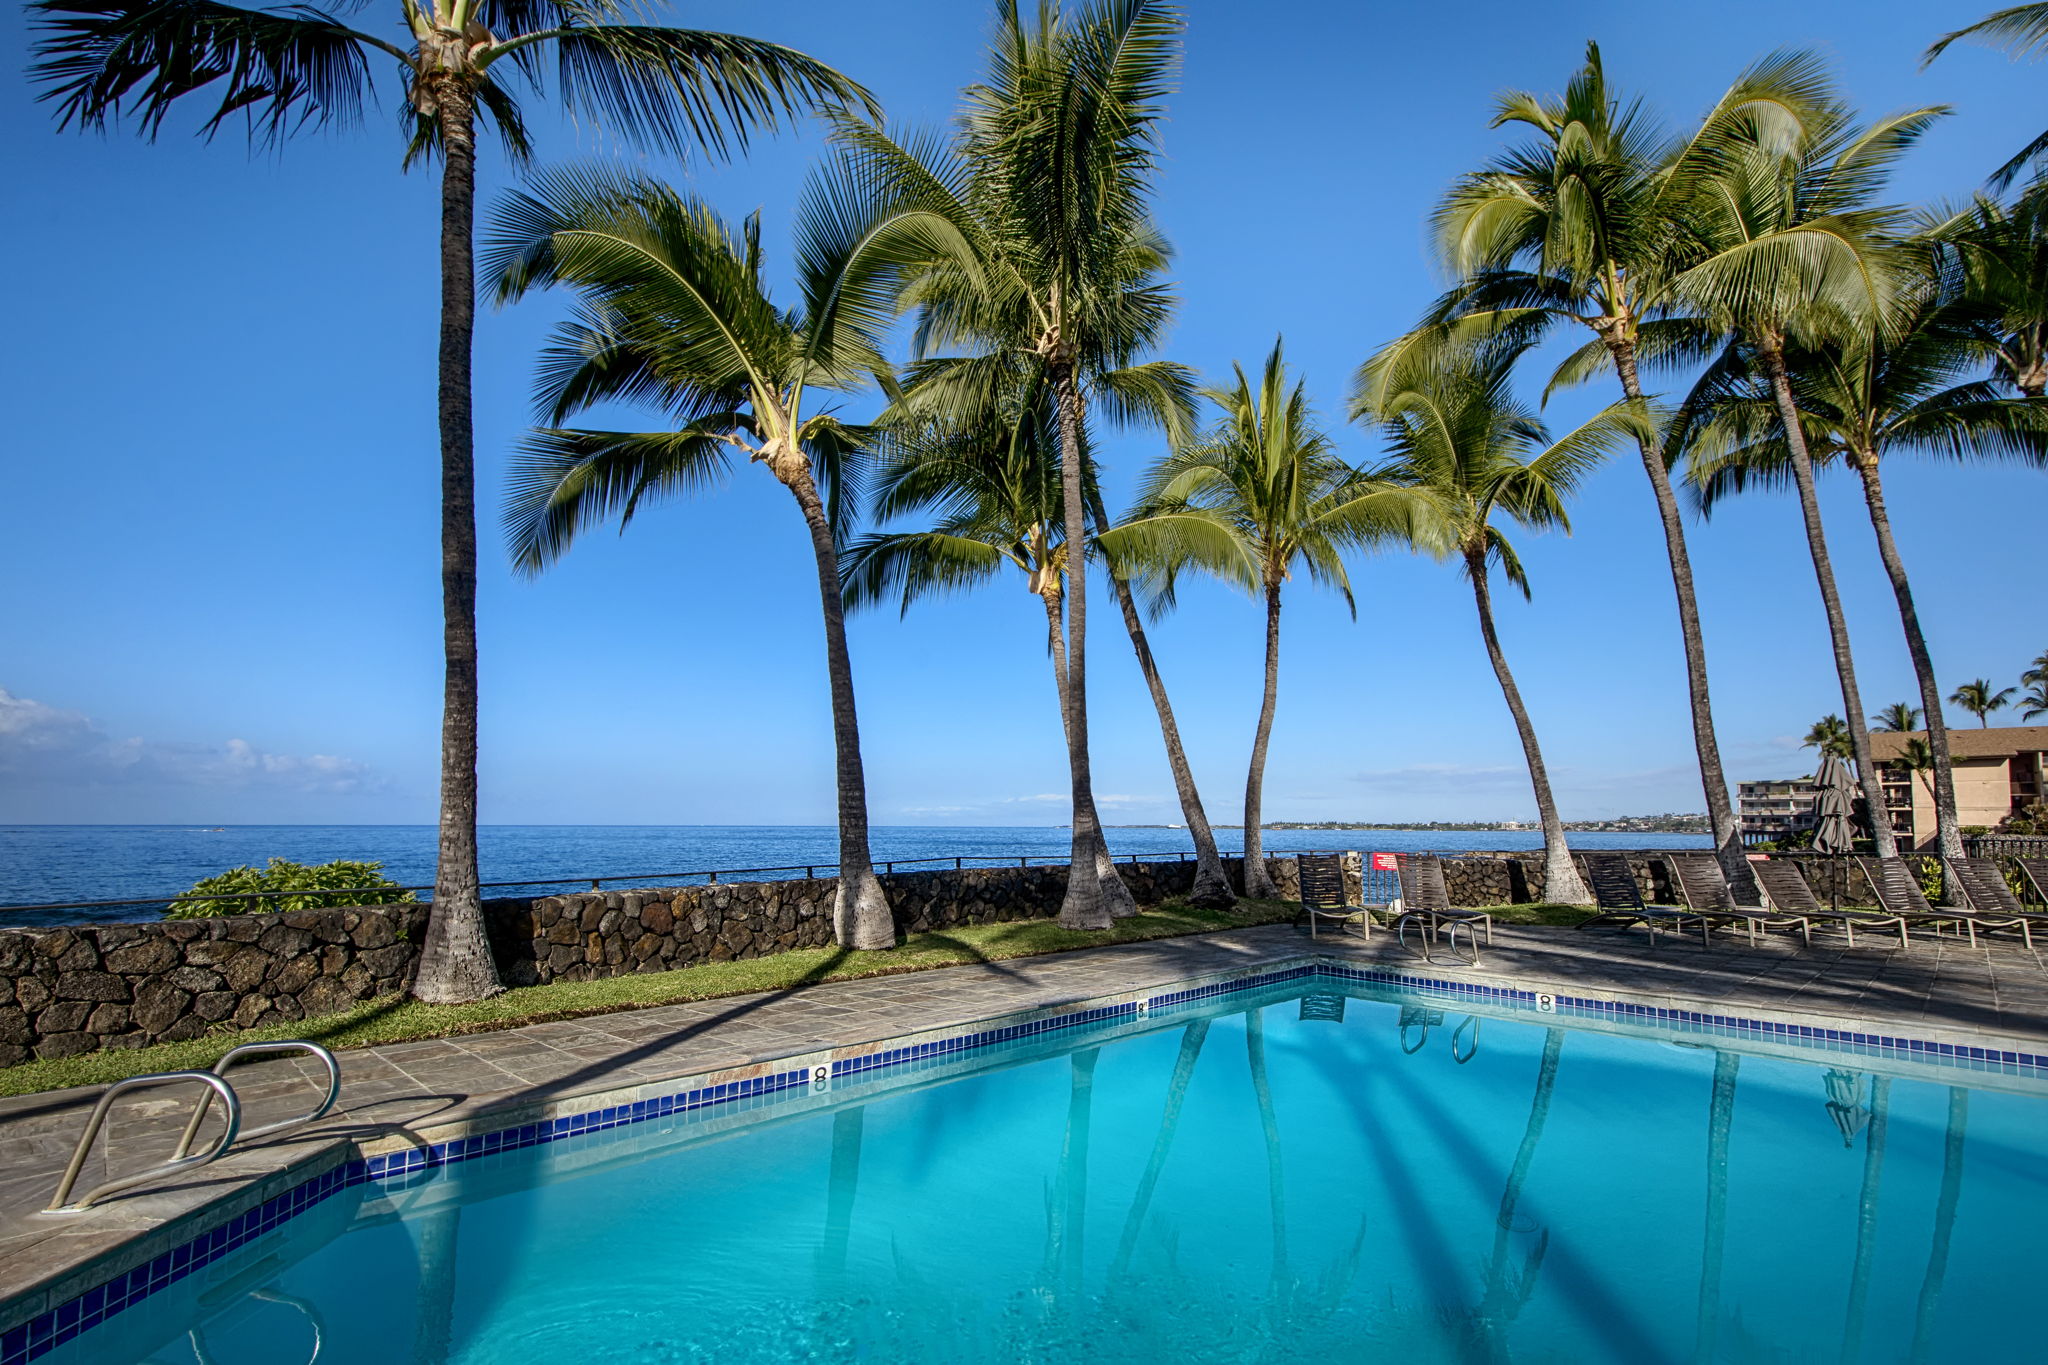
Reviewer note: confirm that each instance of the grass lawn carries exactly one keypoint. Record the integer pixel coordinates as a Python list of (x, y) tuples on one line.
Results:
[(394, 1019)]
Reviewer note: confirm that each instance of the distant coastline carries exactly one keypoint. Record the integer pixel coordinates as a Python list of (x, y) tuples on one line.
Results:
[(1627, 824)]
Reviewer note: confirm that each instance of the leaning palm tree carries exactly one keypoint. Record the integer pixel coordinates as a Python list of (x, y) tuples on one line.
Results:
[(1994, 261), (1903, 385), (1577, 225), (1463, 441), (1262, 494), (993, 485), (1788, 251), (286, 68), (1052, 254), (1980, 699), (674, 313), (1829, 735), (1901, 717), (2021, 30)]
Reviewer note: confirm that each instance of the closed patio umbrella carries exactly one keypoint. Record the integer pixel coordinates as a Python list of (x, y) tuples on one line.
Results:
[(1836, 831)]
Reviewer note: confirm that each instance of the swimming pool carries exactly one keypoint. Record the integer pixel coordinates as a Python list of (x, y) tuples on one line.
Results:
[(1316, 1168)]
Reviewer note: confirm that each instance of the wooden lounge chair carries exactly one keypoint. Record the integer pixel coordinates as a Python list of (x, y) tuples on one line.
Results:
[(1787, 889), (1993, 906), (1426, 907), (2035, 870), (1707, 893), (1322, 895), (1620, 901)]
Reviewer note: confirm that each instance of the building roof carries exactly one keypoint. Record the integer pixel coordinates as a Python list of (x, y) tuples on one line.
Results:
[(2000, 741)]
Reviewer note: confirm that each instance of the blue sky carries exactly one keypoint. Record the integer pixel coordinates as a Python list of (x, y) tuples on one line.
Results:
[(220, 601)]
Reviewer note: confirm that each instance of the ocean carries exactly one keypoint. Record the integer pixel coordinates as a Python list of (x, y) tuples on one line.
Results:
[(40, 864)]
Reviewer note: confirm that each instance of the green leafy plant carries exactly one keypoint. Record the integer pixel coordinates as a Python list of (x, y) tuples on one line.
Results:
[(289, 886)]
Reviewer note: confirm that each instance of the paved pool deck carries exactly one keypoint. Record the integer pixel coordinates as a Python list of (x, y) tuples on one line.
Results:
[(410, 1094)]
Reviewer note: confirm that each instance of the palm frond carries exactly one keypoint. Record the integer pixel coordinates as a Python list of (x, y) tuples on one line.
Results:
[(564, 481)]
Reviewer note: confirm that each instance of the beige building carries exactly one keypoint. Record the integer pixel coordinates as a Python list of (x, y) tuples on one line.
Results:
[(1778, 809), (1998, 771)]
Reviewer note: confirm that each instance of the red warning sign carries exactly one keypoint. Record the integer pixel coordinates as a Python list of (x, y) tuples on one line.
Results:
[(1386, 862)]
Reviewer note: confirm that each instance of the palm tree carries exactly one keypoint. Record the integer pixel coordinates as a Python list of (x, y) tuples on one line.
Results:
[(1898, 385), (1576, 225), (1050, 253), (994, 483), (1898, 718), (1917, 756), (2036, 672), (1263, 493), (284, 69), (674, 312), (1830, 735), (1980, 701), (1789, 251), (1994, 259), (2021, 30), (1470, 449), (2034, 701)]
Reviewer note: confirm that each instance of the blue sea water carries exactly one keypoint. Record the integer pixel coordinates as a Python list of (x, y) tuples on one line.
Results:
[(1248, 1180), (40, 864)]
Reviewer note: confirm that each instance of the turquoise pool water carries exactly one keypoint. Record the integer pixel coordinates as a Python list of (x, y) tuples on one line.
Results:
[(1251, 1179)]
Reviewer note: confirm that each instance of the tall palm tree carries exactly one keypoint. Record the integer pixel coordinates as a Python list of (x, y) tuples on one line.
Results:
[(1047, 194), (674, 313), (1830, 735), (2021, 30), (283, 69), (1898, 385), (994, 484), (1994, 259), (1262, 494), (1980, 700), (1463, 441), (1898, 718), (1788, 250), (1576, 225)]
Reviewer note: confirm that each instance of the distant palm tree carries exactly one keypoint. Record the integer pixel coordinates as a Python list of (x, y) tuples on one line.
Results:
[(1578, 225), (1980, 700), (1915, 756), (1791, 251), (284, 69), (674, 312), (1260, 495), (1470, 450), (2034, 701), (1049, 251), (1898, 718), (2021, 30), (1831, 736)]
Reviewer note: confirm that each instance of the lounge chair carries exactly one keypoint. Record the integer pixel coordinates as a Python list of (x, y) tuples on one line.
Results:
[(1707, 893), (1426, 906), (1620, 900), (2035, 870), (1993, 906), (1896, 884), (1787, 889), (1322, 895)]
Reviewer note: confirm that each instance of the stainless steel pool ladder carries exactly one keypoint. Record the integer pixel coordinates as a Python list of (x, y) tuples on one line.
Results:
[(183, 1159)]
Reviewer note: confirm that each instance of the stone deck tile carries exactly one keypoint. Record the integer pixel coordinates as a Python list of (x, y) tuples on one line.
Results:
[(1998, 990)]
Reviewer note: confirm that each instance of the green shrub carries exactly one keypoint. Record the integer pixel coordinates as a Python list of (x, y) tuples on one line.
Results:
[(365, 883)]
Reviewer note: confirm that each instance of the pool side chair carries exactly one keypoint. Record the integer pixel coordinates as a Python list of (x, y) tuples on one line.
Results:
[(1896, 884), (1322, 895), (1426, 906), (1620, 901), (2035, 870), (1787, 889), (1705, 888), (1993, 906)]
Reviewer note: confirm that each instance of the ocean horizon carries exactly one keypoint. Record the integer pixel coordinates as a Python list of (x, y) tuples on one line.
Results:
[(42, 864)]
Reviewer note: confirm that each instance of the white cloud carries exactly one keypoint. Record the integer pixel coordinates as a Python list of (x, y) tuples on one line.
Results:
[(41, 744)]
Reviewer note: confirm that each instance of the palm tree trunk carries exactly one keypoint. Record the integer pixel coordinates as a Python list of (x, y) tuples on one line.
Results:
[(1948, 834), (1866, 1222), (1258, 884), (1838, 627), (1212, 888), (1502, 1299), (1721, 818), (860, 911), (1086, 905), (455, 960), (1951, 1192), (1269, 1127), (1720, 1119), (842, 1185), (1122, 904), (1191, 1041), (1562, 884)]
